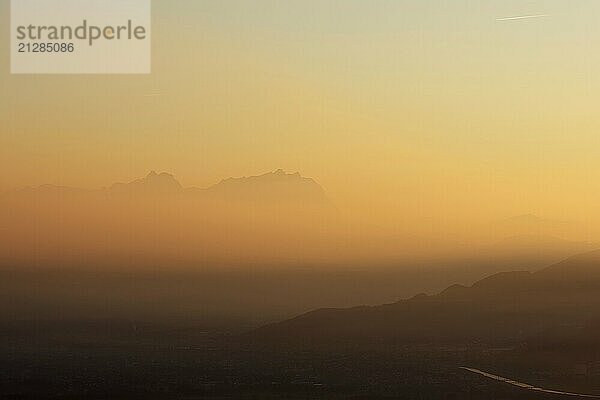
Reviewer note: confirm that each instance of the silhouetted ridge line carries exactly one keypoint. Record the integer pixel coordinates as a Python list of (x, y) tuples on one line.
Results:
[(507, 307)]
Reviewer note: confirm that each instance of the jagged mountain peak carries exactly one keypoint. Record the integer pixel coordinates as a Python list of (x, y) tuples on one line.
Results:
[(277, 185), (279, 175), (153, 182)]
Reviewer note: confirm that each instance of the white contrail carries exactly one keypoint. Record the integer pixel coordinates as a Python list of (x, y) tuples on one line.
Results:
[(522, 17), (154, 93)]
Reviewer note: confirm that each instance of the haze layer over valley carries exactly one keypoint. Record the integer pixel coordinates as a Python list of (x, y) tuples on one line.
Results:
[(152, 246)]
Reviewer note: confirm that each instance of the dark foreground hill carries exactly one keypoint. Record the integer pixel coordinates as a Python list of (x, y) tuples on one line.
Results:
[(507, 307)]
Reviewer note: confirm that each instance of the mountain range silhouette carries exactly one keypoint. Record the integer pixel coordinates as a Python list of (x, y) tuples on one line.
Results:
[(506, 307), (153, 183), (269, 218), (272, 187)]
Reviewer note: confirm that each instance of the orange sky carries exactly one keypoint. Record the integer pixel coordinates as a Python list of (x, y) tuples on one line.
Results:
[(404, 111)]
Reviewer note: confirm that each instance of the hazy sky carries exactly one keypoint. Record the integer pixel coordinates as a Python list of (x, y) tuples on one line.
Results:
[(420, 108)]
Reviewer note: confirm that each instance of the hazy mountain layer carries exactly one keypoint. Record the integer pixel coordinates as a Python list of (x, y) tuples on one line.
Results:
[(275, 219), (506, 307)]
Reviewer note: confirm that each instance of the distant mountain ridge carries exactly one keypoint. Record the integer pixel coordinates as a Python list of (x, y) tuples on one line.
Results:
[(275, 186), (274, 216), (152, 183), (534, 225), (509, 306), (289, 187)]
